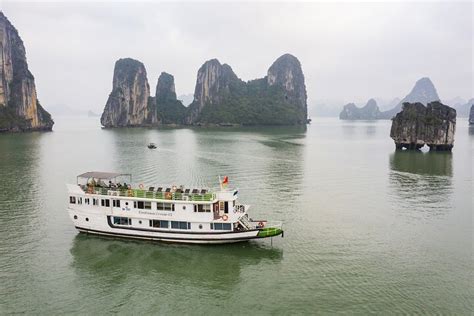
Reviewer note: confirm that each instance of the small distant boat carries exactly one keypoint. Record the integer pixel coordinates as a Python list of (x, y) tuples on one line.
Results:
[(151, 146), (99, 204)]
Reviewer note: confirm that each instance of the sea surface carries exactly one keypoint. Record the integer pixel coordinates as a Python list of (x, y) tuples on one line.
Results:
[(367, 229)]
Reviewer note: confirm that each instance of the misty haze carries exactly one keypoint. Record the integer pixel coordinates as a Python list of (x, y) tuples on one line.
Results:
[(206, 158)]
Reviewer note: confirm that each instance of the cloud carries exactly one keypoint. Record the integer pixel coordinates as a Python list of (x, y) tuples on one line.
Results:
[(349, 51)]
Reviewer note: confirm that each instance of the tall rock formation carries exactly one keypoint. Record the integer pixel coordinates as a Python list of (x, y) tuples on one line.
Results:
[(277, 99), (369, 112), (287, 74), (127, 104), (169, 110), (20, 109), (423, 92), (417, 125), (213, 85), (471, 115)]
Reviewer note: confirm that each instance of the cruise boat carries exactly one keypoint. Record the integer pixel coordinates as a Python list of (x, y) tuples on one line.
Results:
[(104, 203)]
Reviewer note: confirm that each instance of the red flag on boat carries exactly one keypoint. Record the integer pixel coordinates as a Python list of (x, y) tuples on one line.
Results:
[(226, 180)]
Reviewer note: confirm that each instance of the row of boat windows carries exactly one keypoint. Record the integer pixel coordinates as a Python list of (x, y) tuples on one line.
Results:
[(143, 205), (171, 224)]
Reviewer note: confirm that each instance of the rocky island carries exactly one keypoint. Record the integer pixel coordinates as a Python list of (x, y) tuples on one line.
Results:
[(369, 112), (20, 109), (417, 125), (220, 97), (424, 92), (277, 99)]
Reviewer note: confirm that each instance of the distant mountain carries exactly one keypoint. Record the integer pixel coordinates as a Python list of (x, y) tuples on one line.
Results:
[(186, 99), (369, 112), (463, 109), (387, 104), (471, 115), (92, 114), (423, 92), (324, 108)]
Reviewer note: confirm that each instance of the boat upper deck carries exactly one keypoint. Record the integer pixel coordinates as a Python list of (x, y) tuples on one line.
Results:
[(161, 193)]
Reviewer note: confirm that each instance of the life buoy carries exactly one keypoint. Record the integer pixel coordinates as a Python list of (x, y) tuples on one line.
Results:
[(261, 224), (225, 217), (168, 195), (141, 186)]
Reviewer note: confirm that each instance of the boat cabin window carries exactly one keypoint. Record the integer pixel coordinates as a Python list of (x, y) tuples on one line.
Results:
[(164, 206), (79, 200), (105, 202), (139, 204), (116, 203), (159, 224), (224, 206), (180, 225), (86, 201), (122, 221), (221, 226), (201, 208), (95, 202), (72, 200), (147, 205)]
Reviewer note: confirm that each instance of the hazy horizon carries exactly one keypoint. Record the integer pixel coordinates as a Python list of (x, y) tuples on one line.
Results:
[(349, 51)]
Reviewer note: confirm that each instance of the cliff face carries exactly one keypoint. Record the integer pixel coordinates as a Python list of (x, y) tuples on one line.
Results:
[(213, 84), (471, 115), (277, 99), (417, 125), (20, 109), (127, 104), (286, 73), (369, 112), (169, 110), (424, 92)]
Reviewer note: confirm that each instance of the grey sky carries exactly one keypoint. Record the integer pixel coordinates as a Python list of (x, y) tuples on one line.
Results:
[(349, 51)]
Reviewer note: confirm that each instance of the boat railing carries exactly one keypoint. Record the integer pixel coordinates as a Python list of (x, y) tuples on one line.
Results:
[(141, 193)]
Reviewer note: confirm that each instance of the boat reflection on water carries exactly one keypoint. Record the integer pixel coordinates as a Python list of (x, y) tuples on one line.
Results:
[(119, 261), (422, 182)]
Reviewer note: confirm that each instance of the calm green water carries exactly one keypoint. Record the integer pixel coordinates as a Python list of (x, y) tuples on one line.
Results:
[(367, 229)]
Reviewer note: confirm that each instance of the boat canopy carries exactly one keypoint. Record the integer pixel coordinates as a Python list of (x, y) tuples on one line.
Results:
[(103, 175)]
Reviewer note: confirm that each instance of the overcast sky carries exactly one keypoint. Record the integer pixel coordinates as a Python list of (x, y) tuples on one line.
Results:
[(349, 51)]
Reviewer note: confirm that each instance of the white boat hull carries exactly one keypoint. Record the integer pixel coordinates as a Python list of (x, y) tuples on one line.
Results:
[(100, 224)]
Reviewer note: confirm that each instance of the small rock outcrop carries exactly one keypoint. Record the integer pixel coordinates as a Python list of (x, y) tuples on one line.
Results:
[(127, 104), (20, 109), (471, 115), (417, 125), (369, 112), (169, 110), (423, 92), (220, 97)]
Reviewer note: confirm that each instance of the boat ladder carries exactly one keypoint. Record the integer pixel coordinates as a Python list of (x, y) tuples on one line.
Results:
[(245, 222)]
